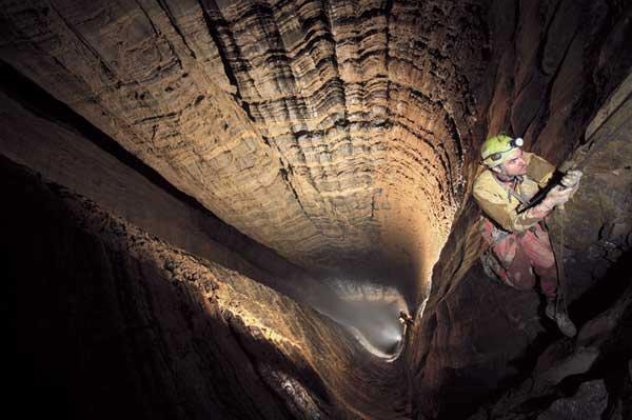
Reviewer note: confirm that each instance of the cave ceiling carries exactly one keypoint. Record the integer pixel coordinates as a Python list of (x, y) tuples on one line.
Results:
[(335, 133)]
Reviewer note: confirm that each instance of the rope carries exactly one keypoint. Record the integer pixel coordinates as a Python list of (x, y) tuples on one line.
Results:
[(558, 252)]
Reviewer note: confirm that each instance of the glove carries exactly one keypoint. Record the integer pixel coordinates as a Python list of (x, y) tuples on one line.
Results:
[(571, 178), (558, 195)]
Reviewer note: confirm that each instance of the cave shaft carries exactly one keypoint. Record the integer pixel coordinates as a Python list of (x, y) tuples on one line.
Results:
[(215, 170)]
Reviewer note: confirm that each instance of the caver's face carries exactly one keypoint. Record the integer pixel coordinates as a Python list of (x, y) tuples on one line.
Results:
[(515, 165)]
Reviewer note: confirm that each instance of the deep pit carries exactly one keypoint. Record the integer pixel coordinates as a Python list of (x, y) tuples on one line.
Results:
[(219, 208)]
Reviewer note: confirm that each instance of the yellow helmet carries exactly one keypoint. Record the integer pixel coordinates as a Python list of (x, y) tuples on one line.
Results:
[(496, 149)]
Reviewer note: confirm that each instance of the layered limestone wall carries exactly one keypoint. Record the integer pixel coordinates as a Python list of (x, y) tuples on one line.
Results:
[(333, 133), (335, 138), (111, 322)]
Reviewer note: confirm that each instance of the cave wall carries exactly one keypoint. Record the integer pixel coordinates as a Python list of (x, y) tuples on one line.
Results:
[(562, 85), (331, 132), (109, 321), (47, 136), (554, 65), (342, 135)]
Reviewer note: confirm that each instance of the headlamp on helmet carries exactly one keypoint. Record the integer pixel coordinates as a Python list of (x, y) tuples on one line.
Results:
[(496, 149)]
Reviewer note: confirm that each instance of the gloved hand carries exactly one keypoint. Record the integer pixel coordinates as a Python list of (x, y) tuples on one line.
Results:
[(557, 196), (571, 178)]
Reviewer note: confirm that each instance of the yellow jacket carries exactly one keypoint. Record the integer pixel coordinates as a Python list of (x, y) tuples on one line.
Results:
[(498, 204)]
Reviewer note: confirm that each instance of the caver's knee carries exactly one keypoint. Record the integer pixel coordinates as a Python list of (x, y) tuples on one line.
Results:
[(538, 251), (548, 272), (521, 279), (545, 261)]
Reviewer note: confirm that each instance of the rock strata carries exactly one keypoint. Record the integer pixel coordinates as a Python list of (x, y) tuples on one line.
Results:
[(305, 144)]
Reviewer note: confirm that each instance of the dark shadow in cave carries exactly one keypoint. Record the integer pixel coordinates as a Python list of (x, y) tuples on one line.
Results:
[(606, 290), (614, 354), (85, 343)]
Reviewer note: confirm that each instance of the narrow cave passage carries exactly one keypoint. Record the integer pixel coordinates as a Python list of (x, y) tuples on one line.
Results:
[(220, 208)]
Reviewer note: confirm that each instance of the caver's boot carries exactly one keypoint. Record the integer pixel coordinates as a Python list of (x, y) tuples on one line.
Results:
[(557, 313)]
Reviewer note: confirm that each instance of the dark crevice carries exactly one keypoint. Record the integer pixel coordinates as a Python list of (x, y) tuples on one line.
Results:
[(102, 62), (546, 37), (165, 7), (213, 24), (543, 111), (285, 176), (604, 293)]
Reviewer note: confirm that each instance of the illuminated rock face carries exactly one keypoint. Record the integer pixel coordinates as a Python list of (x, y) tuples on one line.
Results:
[(342, 135), (332, 133)]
